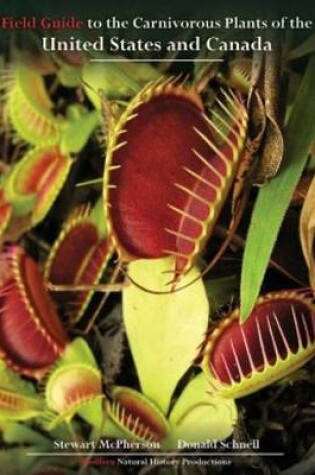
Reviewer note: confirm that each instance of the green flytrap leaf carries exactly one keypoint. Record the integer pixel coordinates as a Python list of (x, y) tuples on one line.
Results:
[(15, 432), (18, 400), (115, 80), (163, 331), (97, 217), (273, 200), (78, 132), (31, 110), (74, 386), (198, 416), (35, 181), (21, 204), (133, 416), (14, 461), (69, 77)]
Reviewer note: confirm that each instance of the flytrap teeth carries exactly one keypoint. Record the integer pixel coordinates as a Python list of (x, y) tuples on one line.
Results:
[(136, 416), (173, 212), (69, 388), (35, 181), (31, 334), (277, 338), (81, 244), (30, 109)]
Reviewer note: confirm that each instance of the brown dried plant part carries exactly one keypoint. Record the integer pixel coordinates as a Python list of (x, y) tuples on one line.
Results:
[(256, 130), (307, 231), (79, 257), (273, 147), (31, 335), (276, 339), (168, 172), (301, 189)]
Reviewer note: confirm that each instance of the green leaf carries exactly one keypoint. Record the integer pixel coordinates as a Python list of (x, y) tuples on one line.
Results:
[(74, 386), (78, 351), (273, 200), (199, 416), (31, 110), (115, 80), (97, 216), (35, 181), (15, 461), (164, 330), (14, 432), (69, 77), (13, 381), (78, 132), (22, 204), (18, 400)]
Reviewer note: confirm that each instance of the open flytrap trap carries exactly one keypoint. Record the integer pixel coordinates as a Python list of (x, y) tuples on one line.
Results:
[(157, 259)]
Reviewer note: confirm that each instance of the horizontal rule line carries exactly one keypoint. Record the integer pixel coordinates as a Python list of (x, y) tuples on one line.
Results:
[(155, 60), (158, 454)]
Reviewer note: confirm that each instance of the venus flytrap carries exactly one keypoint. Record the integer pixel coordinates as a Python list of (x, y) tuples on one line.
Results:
[(74, 386), (35, 181), (198, 416), (18, 399), (277, 339), (30, 111), (116, 81), (69, 68), (30, 108), (32, 336), (172, 213), (28, 191), (84, 242), (163, 333), (5, 211), (15, 461), (81, 125)]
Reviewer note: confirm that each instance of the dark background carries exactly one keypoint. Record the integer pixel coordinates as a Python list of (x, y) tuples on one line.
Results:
[(175, 8), (127, 9)]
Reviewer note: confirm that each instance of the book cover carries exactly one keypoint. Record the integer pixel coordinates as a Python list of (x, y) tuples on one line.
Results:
[(157, 200)]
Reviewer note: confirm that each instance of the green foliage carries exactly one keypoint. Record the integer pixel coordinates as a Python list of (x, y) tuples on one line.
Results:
[(79, 131), (172, 327), (115, 80), (273, 200)]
